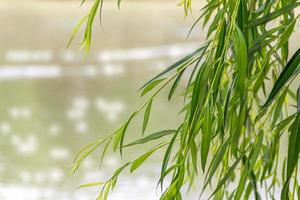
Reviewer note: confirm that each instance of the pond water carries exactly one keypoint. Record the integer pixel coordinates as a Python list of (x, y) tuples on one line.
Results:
[(55, 100)]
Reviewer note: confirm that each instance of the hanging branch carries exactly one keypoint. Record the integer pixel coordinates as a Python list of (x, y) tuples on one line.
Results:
[(233, 124)]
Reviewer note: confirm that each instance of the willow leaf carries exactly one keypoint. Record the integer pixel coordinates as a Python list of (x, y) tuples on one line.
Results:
[(265, 19), (140, 160), (119, 3), (294, 147), (227, 176), (241, 60), (151, 137), (175, 65), (117, 138), (175, 84), (147, 115), (104, 194), (287, 34), (289, 71), (217, 159), (76, 29), (152, 85), (91, 184), (206, 138), (166, 158), (91, 17), (104, 152), (194, 156), (124, 130)]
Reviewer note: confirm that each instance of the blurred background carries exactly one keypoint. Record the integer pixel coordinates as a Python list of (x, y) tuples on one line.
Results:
[(55, 100)]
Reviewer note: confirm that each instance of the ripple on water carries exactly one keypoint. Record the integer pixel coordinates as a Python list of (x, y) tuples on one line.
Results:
[(111, 109), (26, 144)]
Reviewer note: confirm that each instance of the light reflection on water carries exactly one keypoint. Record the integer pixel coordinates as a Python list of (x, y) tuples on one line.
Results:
[(54, 101)]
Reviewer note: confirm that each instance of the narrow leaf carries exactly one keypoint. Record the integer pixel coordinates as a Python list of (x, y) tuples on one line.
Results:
[(287, 34), (151, 137), (241, 60), (265, 19), (175, 84), (90, 184), (152, 85), (176, 65), (146, 115), (140, 160), (290, 70), (227, 175)]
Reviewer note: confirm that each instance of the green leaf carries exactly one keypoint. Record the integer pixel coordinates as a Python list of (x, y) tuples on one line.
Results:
[(292, 157), (279, 105), (151, 137), (194, 156), (265, 19), (249, 166), (283, 169), (104, 193), (117, 138), (298, 192), (123, 132), (294, 147), (76, 29), (175, 84), (241, 60), (289, 71), (146, 115), (176, 65), (91, 17), (104, 152), (167, 157), (117, 173), (206, 138), (85, 152), (298, 100), (284, 123), (120, 134), (119, 3), (91, 184), (256, 149), (152, 85), (287, 34), (267, 35), (140, 160), (215, 22), (227, 175), (241, 185), (215, 163)]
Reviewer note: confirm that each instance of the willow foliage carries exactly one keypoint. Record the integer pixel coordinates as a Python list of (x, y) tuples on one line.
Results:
[(230, 112)]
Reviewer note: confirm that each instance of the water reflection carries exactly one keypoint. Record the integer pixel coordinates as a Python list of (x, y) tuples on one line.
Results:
[(54, 100)]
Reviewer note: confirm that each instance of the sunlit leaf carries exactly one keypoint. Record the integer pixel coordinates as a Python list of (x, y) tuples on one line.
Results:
[(175, 65), (146, 115), (151, 85), (91, 184), (154, 136)]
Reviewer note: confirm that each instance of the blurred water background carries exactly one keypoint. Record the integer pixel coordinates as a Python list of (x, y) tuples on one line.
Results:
[(55, 100)]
